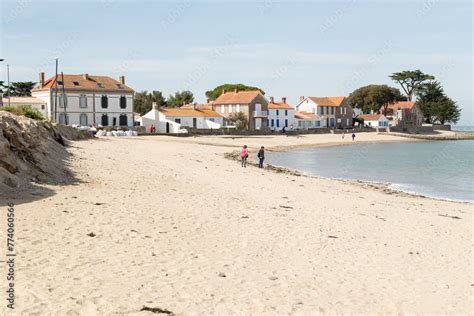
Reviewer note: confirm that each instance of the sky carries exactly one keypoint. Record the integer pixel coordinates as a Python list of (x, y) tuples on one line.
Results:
[(287, 48)]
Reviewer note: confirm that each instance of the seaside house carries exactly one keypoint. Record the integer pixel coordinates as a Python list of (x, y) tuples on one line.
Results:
[(281, 115), (86, 99), (31, 102), (374, 120), (305, 120), (405, 114), (252, 103), (171, 120), (333, 111)]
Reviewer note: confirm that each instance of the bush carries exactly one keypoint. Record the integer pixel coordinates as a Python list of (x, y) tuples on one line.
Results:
[(239, 120), (24, 110)]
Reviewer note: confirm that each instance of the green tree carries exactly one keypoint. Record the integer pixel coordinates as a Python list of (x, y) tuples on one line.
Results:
[(180, 98), (435, 105), (410, 80), (373, 97), (21, 89), (142, 101), (217, 91), (239, 120)]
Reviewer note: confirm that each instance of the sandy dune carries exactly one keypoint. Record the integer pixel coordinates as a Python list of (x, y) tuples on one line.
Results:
[(177, 226)]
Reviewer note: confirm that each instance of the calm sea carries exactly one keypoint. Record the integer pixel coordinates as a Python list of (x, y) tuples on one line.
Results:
[(442, 169)]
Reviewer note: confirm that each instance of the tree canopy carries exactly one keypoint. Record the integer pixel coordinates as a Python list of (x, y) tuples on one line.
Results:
[(436, 106), (142, 101), (239, 120), (18, 89), (373, 97), (180, 98), (410, 80), (217, 91)]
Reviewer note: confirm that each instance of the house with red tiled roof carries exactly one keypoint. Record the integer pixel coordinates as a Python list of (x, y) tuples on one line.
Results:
[(333, 111), (374, 120), (280, 115), (86, 99), (404, 113), (252, 103), (31, 102)]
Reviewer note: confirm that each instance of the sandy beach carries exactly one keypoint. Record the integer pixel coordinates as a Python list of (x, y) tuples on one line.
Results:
[(170, 223)]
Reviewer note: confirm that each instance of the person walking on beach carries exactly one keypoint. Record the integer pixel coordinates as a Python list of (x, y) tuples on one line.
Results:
[(353, 136), (244, 154), (343, 134), (261, 156)]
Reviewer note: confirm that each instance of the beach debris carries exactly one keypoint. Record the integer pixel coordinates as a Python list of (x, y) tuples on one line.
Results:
[(330, 236), (245, 216), (381, 218), (287, 207), (156, 310), (91, 235), (99, 203), (222, 275), (273, 278), (450, 216)]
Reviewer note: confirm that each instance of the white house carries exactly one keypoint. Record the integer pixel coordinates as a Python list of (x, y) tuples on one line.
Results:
[(32, 102), (86, 100), (306, 120), (333, 111), (171, 120), (280, 115), (374, 120)]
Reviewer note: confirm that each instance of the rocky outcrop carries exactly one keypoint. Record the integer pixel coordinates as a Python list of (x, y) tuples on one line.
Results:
[(33, 151)]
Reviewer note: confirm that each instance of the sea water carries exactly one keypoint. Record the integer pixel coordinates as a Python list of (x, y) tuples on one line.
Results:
[(441, 169)]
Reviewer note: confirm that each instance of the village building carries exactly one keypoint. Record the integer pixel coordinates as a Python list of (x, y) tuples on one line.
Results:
[(86, 100), (32, 102), (305, 120), (281, 115), (374, 120), (333, 111), (252, 103), (405, 114)]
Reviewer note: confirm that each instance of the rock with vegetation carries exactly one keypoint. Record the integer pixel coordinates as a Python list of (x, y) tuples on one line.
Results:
[(33, 151)]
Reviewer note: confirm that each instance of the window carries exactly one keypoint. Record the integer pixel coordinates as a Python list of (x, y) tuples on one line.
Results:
[(340, 110), (278, 123), (237, 108), (211, 119), (345, 111), (100, 85), (300, 123), (286, 112), (318, 123), (347, 122), (177, 121), (123, 102), (75, 83), (62, 100), (83, 101), (120, 86), (230, 108), (278, 112), (83, 120), (104, 102), (63, 118), (60, 83), (105, 120), (332, 110), (286, 123), (42, 106), (123, 120), (222, 108), (272, 123)]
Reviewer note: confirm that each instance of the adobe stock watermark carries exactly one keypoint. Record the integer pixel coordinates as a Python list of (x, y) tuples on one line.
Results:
[(17, 10), (175, 14), (331, 20), (10, 256)]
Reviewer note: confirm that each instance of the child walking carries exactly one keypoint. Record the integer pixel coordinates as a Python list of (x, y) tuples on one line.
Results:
[(261, 156)]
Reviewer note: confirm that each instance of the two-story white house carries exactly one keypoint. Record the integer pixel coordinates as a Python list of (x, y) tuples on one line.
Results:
[(86, 100), (332, 111), (280, 115)]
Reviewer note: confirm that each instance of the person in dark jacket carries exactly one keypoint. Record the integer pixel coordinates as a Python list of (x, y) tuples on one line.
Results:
[(261, 156)]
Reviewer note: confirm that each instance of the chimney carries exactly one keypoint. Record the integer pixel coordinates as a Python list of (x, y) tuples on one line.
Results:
[(301, 98), (41, 79), (86, 76), (122, 79), (194, 106), (271, 100), (223, 91), (155, 106), (283, 100), (236, 91)]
